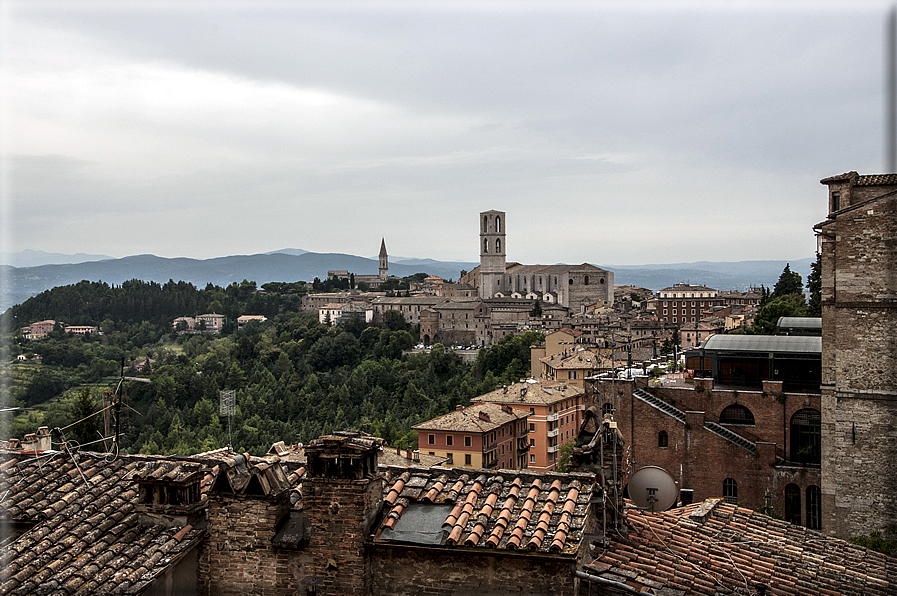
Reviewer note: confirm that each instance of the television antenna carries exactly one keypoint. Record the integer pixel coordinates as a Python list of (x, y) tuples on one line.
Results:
[(653, 488), (228, 407)]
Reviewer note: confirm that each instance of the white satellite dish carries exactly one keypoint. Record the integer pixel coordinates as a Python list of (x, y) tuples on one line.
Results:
[(653, 488)]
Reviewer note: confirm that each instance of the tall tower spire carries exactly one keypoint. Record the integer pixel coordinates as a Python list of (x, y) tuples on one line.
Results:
[(492, 253), (384, 261)]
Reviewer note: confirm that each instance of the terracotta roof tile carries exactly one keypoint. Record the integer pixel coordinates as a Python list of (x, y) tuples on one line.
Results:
[(714, 547), (512, 510)]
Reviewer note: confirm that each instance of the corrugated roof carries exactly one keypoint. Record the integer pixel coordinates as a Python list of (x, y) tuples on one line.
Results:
[(764, 343), (800, 322)]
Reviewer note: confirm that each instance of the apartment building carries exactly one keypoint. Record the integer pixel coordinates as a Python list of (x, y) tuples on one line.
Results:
[(484, 435), (555, 413)]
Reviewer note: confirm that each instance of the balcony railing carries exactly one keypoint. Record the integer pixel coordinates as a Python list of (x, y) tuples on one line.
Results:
[(554, 449), (490, 447), (523, 445), (553, 433), (552, 418)]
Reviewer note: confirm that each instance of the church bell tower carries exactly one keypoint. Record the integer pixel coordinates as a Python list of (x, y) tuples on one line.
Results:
[(492, 253), (384, 261)]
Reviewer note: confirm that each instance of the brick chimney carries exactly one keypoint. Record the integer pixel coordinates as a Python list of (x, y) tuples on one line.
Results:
[(342, 497)]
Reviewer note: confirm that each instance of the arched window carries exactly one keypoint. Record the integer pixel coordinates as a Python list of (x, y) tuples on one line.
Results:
[(736, 414), (730, 491), (586, 280), (792, 504), (498, 225), (498, 245), (806, 436), (814, 508), (663, 440), (485, 223), (485, 245)]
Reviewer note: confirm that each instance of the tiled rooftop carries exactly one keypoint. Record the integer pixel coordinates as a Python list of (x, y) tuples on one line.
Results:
[(581, 360), (87, 536), (505, 510), (532, 391), (717, 548), (478, 418)]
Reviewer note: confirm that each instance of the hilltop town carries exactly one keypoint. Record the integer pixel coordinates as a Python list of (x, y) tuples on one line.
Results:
[(541, 391)]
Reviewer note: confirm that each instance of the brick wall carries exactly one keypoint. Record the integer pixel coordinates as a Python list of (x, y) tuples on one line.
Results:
[(701, 460), (238, 557), (342, 513), (414, 571)]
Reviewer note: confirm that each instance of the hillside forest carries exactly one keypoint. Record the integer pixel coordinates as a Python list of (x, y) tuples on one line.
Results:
[(293, 377)]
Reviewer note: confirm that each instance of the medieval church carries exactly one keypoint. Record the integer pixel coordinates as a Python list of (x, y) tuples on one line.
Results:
[(572, 286)]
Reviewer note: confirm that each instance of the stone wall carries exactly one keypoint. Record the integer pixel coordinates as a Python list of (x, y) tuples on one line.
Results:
[(414, 571), (859, 361)]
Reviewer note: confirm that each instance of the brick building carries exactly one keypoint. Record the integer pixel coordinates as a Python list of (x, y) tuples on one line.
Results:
[(484, 435), (859, 353), (683, 303), (757, 447)]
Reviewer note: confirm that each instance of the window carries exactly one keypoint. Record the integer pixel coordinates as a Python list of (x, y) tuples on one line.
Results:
[(497, 245), (814, 508), (663, 441), (806, 436), (467, 460), (736, 414), (532, 442), (449, 440), (792, 504), (467, 441), (532, 458), (607, 408), (431, 439), (730, 491), (449, 458), (836, 201), (532, 427), (485, 222), (485, 245), (586, 280), (498, 225)]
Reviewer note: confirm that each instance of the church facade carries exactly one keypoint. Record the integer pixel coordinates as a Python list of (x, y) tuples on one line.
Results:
[(572, 286)]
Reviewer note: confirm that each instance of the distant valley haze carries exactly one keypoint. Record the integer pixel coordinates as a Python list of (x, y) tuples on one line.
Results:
[(288, 265)]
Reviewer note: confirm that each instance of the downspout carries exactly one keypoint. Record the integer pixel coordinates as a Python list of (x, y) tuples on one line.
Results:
[(605, 582)]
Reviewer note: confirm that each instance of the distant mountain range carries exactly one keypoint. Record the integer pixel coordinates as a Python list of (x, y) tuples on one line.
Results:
[(20, 282)]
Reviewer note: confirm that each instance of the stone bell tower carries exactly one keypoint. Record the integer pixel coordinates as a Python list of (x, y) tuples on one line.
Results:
[(384, 261), (492, 253)]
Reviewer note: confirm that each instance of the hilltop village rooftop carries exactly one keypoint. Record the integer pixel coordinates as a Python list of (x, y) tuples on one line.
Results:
[(339, 523)]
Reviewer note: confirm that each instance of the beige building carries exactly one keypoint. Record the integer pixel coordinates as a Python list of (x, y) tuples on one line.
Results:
[(572, 366), (555, 413), (484, 435)]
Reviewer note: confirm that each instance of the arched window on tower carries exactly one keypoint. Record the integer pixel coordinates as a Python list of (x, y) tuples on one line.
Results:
[(586, 280), (792, 504), (736, 414), (485, 245), (498, 225), (730, 491), (806, 435), (485, 224), (498, 245)]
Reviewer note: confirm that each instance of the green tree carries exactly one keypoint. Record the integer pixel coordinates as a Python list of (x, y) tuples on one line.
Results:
[(814, 287), (83, 410), (790, 282), (767, 318)]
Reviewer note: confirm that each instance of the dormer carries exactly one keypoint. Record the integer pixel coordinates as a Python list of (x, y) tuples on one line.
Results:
[(170, 489), (348, 454), (839, 190)]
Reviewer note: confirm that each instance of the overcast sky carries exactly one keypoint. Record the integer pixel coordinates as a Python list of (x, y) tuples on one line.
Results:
[(610, 133)]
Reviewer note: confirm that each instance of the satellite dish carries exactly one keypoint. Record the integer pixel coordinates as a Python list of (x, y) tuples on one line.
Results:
[(653, 488)]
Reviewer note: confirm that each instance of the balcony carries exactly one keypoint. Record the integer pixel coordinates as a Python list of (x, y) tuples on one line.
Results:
[(553, 433), (490, 448), (554, 449), (523, 445), (523, 432), (552, 418)]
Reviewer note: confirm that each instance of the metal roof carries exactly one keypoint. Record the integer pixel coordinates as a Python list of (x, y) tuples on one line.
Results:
[(801, 322), (764, 343)]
